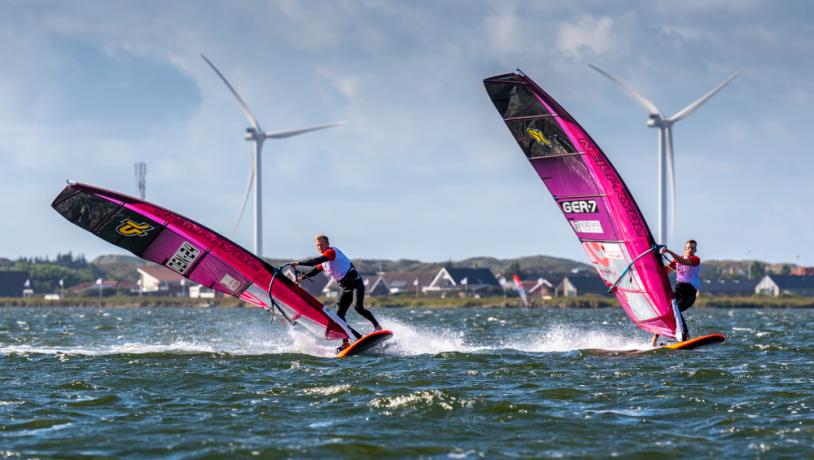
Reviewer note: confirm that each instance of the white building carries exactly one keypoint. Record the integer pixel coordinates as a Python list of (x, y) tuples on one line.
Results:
[(155, 279)]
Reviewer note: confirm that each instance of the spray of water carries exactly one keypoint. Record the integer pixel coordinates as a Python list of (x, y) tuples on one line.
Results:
[(562, 338), (409, 339)]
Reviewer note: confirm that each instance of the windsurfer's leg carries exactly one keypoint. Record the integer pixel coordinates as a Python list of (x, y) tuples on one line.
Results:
[(359, 305), (345, 299), (655, 339), (686, 328), (685, 294)]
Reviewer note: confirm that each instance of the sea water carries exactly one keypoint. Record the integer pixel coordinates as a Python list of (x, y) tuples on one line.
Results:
[(452, 383)]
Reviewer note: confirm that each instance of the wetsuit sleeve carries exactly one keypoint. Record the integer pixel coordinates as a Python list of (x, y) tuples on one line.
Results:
[(327, 256), (694, 260), (313, 271)]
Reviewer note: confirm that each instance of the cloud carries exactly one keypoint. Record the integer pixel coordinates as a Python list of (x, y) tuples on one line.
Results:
[(688, 34), (588, 34), (503, 32)]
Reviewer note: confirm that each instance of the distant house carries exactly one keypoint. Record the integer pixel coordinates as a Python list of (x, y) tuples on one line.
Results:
[(201, 292), (155, 279), (580, 285), (542, 286), (12, 283), (776, 285), (453, 279), (803, 271), (408, 282), (727, 287), (545, 287)]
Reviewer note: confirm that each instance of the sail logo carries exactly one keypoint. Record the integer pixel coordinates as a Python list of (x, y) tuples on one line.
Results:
[(184, 256), (579, 206), (130, 228), (538, 136)]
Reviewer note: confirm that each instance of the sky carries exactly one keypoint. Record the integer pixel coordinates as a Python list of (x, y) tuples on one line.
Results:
[(425, 169)]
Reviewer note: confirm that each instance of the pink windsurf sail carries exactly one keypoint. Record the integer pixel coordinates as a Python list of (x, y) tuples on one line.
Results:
[(193, 251), (593, 198), (521, 291)]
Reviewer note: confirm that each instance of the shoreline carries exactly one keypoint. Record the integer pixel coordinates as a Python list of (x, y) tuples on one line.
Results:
[(579, 302)]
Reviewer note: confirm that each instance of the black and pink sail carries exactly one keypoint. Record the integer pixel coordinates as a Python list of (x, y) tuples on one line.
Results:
[(193, 251), (592, 197)]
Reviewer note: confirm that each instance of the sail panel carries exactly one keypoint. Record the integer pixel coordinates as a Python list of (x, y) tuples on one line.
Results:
[(592, 197), (566, 176)]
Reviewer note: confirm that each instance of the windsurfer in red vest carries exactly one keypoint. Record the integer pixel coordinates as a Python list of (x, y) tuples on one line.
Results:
[(688, 279), (340, 268)]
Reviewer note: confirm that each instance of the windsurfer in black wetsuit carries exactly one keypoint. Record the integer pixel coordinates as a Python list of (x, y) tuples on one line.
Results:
[(340, 268)]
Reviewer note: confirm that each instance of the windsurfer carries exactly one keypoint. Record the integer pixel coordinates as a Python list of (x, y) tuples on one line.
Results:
[(688, 279), (340, 268)]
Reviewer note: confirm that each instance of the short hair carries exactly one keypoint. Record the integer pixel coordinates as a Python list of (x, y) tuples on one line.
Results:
[(693, 242), (322, 237)]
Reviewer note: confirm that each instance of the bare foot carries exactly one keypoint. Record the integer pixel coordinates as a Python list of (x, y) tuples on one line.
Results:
[(377, 328)]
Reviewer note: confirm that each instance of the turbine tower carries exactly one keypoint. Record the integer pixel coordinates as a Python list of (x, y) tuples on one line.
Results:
[(665, 162), (141, 179), (258, 136)]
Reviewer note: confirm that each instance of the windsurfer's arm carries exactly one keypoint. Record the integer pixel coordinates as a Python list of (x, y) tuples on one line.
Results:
[(692, 260), (326, 256), (670, 265), (312, 272)]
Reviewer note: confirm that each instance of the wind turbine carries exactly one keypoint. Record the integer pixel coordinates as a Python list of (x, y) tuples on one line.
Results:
[(258, 136), (665, 126)]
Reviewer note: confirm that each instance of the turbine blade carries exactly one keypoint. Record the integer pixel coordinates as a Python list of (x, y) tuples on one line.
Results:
[(671, 176), (651, 107), (694, 106), (245, 198), (243, 106), (294, 132)]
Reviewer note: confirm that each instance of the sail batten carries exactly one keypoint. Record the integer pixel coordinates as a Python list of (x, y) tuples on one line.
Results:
[(592, 197)]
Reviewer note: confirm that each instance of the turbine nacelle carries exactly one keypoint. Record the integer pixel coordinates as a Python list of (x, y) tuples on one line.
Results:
[(254, 135), (654, 120)]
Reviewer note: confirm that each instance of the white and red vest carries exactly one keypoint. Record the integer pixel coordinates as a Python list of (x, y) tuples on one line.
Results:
[(690, 274), (336, 266)]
